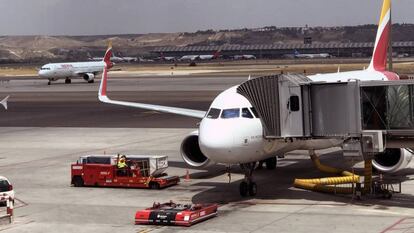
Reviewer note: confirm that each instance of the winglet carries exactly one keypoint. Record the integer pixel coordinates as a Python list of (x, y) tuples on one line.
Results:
[(108, 55), (379, 56), (4, 102), (103, 86)]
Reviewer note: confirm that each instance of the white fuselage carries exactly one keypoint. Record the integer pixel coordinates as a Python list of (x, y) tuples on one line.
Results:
[(238, 138), (70, 70)]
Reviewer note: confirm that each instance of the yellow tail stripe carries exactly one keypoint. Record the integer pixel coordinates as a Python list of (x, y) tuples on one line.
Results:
[(386, 6)]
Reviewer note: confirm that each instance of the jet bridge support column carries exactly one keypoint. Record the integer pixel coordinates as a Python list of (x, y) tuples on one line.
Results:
[(367, 176)]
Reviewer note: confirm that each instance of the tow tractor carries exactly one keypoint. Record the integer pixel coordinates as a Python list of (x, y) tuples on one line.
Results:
[(171, 213), (143, 171)]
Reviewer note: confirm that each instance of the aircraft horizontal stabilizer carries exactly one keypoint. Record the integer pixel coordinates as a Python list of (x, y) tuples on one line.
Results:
[(4, 102)]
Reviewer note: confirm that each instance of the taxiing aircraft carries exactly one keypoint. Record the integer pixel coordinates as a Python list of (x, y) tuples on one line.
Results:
[(231, 132), (85, 70)]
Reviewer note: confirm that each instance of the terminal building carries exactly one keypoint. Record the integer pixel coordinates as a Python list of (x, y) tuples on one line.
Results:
[(402, 49)]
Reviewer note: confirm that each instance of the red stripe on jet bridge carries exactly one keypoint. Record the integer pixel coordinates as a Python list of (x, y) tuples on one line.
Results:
[(380, 55)]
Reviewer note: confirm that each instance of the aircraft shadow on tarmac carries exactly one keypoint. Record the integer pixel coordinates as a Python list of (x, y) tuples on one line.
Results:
[(274, 185)]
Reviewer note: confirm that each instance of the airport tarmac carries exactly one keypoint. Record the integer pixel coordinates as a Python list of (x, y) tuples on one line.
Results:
[(46, 129)]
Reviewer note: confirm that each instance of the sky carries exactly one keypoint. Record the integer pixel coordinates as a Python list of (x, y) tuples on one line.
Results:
[(100, 17)]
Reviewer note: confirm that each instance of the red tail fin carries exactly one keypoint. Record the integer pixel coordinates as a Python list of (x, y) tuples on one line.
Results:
[(379, 56), (108, 55)]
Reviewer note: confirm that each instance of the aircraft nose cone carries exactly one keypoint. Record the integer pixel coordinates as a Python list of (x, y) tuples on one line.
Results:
[(216, 141)]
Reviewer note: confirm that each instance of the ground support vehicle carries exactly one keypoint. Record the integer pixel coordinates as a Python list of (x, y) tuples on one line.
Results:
[(142, 172), (171, 213)]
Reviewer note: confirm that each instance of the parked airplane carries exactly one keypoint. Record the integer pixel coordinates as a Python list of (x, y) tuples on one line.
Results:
[(4, 102), (164, 58), (116, 59), (244, 57), (85, 70), (216, 55), (231, 132), (311, 55)]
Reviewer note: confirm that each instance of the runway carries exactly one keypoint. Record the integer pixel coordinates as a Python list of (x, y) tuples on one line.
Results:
[(35, 104)]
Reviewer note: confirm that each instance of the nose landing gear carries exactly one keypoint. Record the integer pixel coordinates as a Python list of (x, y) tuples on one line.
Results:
[(247, 186)]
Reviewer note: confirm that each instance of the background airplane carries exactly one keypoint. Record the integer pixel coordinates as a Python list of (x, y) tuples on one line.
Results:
[(85, 70)]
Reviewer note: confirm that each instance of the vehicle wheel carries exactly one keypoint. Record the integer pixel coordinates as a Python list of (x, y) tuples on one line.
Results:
[(77, 181), (244, 189), (154, 185), (252, 189), (271, 163)]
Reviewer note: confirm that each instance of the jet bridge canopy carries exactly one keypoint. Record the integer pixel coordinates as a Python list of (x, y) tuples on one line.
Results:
[(294, 106)]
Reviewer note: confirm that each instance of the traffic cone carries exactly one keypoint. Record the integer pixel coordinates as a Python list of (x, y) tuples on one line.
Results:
[(187, 176)]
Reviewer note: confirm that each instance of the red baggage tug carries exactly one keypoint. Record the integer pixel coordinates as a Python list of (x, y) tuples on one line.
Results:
[(142, 172), (176, 214)]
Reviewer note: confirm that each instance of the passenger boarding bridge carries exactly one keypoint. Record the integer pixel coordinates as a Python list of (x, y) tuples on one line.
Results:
[(369, 116)]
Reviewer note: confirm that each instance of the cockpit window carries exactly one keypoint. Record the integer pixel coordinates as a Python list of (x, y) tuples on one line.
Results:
[(214, 113), (246, 113), (230, 113), (45, 68), (254, 112)]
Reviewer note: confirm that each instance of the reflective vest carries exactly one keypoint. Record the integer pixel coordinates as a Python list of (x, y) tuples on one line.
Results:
[(122, 163)]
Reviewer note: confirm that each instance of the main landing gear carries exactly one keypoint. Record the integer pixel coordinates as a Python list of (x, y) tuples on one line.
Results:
[(68, 81), (247, 186)]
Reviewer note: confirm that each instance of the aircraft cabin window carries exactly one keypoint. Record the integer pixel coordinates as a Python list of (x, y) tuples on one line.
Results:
[(214, 113), (246, 113), (230, 113), (254, 112), (294, 103)]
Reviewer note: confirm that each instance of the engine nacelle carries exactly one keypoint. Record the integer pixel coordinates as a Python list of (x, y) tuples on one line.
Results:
[(392, 160), (88, 77), (191, 152)]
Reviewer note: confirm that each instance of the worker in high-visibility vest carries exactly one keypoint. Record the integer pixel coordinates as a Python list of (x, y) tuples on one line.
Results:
[(122, 166)]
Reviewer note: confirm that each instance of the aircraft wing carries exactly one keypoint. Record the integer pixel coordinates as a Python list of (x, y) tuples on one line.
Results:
[(179, 111)]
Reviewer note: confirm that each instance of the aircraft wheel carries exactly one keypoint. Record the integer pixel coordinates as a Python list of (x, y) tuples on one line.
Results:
[(48, 83), (244, 189), (252, 189), (68, 81), (271, 163), (91, 81)]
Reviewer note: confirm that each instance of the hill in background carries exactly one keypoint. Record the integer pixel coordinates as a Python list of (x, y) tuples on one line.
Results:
[(76, 48)]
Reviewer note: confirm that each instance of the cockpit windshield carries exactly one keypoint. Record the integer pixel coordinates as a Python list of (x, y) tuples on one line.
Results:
[(214, 113), (230, 113), (246, 113), (254, 112), (45, 68)]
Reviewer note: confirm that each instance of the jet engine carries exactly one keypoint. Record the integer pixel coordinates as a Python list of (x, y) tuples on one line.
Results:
[(392, 160), (89, 77), (191, 153)]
